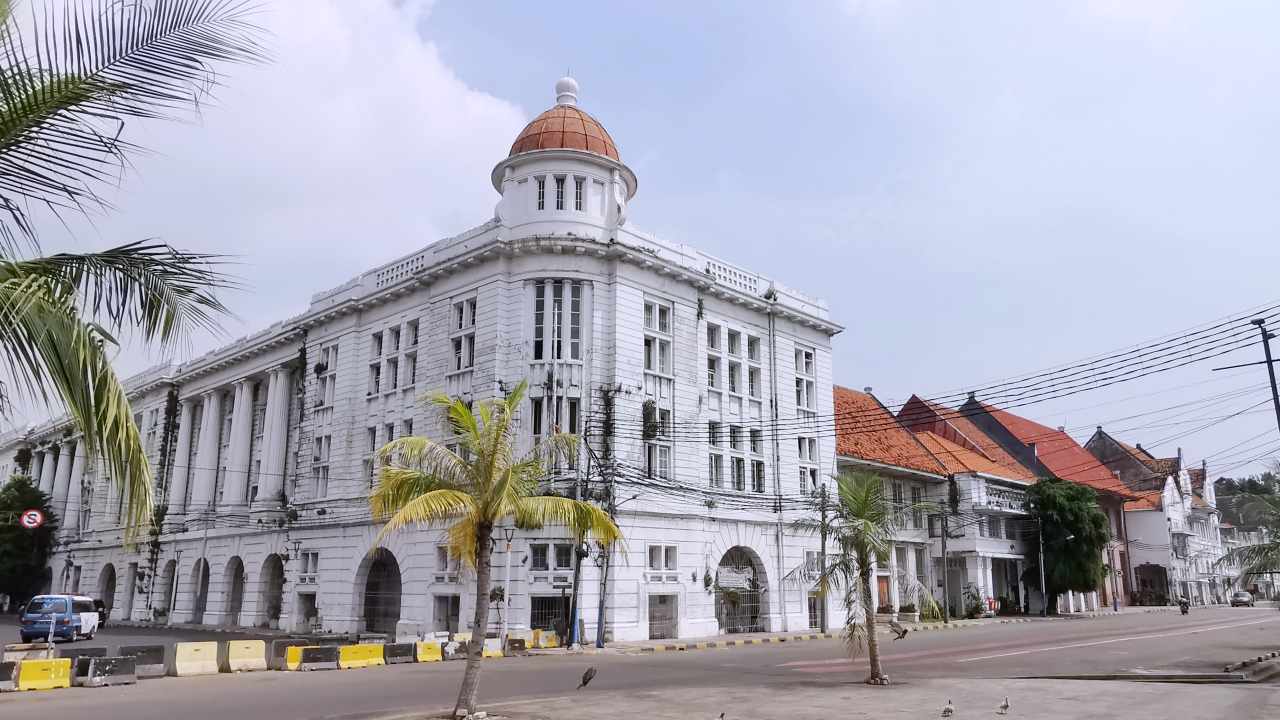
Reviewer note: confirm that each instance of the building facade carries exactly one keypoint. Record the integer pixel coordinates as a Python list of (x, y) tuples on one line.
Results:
[(703, 391)]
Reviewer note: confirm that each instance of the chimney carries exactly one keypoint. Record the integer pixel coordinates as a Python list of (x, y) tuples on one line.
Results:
[(867, 389), (1062, 428)]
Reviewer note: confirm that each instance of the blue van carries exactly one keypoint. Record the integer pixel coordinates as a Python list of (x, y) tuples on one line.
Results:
[(70, 616)]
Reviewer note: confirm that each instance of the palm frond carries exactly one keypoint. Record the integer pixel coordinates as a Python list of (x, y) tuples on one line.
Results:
[(153, 289), (73, 76), (430, 507), (582, 518), (47, 348), (1254, 559)]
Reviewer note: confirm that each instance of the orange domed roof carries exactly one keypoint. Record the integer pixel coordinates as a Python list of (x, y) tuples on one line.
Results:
[(565, 127)]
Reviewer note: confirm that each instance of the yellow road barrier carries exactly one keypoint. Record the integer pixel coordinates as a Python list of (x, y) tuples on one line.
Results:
[(429, 652), (360, 656), (44, 674)]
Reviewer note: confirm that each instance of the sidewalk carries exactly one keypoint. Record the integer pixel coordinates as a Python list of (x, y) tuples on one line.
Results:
[(1040, 699)]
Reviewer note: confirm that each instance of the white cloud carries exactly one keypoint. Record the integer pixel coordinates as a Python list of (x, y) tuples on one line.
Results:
[(356, 145)]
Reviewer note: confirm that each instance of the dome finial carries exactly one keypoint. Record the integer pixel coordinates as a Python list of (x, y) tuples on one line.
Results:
[(566, 91)]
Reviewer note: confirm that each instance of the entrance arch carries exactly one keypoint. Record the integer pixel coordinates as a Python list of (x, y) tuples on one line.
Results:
[(741, 592), (271, 591), (199, 590), (168, 582), (233, 581), (382, 585), (107, 587)]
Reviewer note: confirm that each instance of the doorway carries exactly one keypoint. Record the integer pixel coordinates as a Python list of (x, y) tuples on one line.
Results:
[(663, 614), (446, 612)]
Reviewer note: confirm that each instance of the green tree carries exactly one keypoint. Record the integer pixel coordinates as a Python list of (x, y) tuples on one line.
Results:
[(24, 553), (1235, 494), (1075, 533), (860, 524), (72, 76), (474, 490), (1262, 511)]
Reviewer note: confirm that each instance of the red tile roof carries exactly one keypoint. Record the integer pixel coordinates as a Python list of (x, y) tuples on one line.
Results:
[(1058, 452), (958, 459), (966, 429), (866, 430), (1163, 467), (1151, 500)]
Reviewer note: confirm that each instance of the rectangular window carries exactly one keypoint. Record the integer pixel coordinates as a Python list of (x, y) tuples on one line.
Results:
[(715, 470), (735, 377), (757, 476), (658, 460), (542, 193), (411, 330), (713, 433), (753, 348), (535, 417), (393, 374), (375, 345), (407, 428), (577, 193), (657, 355), (389, 431), (713, 372), (804, 361), (375, 378), (559, 193), (739, 474), (735, 437), (713, 337), (735, 342), (1011, 530), (753, 382), (564, 556), (373, 438), (921, 566), (538, 557), (393, 340), (917, 497), (411, 365), (757, 441), (557, 320), (662, 558)]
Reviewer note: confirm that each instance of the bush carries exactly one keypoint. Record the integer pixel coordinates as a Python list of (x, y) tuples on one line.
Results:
[(908, 608), (885, 610)]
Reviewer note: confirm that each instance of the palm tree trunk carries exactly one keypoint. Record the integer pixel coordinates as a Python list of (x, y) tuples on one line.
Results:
[(873, 643), (479, 626)]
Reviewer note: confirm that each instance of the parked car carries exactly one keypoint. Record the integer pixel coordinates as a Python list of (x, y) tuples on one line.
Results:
[(65, 617), (1241, 598)]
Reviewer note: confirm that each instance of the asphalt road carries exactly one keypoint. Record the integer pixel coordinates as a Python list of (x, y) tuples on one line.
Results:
[(117, 635), (1206, 640)]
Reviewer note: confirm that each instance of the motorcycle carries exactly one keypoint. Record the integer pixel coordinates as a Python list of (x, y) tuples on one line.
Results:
[(1184, 605)]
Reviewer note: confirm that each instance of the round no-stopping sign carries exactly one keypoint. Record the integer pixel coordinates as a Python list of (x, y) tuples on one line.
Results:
[(31, 519)]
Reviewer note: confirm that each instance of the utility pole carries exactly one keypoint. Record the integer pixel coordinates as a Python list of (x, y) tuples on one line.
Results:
[(822, 558), (1044, 598), (606, 551), (946, 572), (1271, 368), (508, 534)]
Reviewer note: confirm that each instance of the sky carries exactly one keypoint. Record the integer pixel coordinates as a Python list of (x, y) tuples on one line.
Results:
[(978, 190)]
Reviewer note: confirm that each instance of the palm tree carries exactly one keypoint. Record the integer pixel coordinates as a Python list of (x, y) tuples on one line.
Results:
[(69, 81), (473, 491), (1264, 557), (860, 524)]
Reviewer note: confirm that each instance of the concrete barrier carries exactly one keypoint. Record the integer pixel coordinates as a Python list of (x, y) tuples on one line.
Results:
[(429, 652), (492, 648), (278, 648), (194, 658), (545, 639), (21, 651), (395, 653), (44, 674), (108, 671), (462, 637), (516, 646), (79, 657), (148, 660), (242, 655), (454, 650), (311, 657), (360, 656), (8, 676)]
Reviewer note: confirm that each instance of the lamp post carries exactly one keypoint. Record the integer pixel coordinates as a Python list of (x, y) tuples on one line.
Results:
[(508, 534), (173, 591)]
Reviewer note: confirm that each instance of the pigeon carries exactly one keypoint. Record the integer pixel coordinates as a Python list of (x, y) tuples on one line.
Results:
[(1004, 707), (898, 630), (587, 676), (948, 710)]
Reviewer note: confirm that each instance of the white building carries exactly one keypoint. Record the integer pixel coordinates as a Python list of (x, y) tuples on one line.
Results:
[(703, 388)]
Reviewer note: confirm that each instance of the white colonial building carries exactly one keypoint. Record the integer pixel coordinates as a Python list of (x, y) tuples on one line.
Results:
[(703, 389)]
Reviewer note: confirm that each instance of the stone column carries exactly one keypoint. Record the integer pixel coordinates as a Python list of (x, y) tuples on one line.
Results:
[(893, 577), (37, 465), (235, 492), (181, 468), (75, 492), (205, 472), (275, 438), (62, 478), (47, 469)]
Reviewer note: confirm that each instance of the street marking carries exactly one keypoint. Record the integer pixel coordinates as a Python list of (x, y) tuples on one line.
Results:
[(1115, 640)]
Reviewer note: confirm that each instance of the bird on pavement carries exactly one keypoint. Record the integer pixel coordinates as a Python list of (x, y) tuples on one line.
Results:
[(898, 630), (586, 677), (1004, 706), (948, 710)]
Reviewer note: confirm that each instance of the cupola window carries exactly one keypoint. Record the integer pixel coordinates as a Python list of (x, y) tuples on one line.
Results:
[(542, 193), (559, 193)]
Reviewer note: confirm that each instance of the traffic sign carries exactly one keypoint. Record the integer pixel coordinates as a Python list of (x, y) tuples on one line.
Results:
[(31, 519)]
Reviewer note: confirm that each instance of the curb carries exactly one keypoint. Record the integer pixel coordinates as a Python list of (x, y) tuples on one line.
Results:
[(714, 644), (1233, 667)]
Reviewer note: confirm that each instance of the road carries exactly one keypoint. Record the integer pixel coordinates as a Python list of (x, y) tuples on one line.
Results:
[(1206, 640)]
